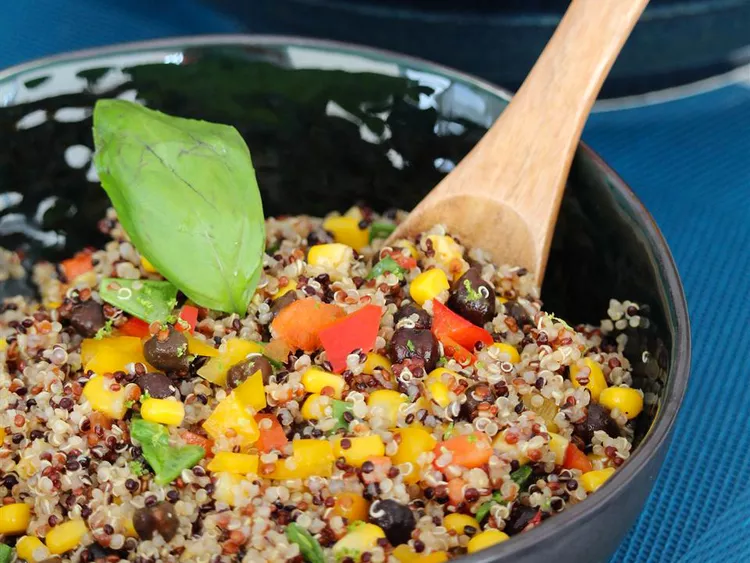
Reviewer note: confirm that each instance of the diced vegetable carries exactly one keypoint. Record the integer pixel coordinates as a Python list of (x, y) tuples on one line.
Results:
[(314, 406), (315, 380), (576, 459), (310, 457), (189, 318), (330, 256), (339, 410), (486, 539), (351, 506), (200, 348), (453, 349), (512, 450), (31, 549), (457, 522), (300, 322), (14, 518), (163, 411), (484, 509), (628, 401), (360, 538), (507, 352), (6, 553), (447, 250), (66, 536), (291, 285), (386, 265), (446, 323), (593, 480), (225, 487), (466, 450), (456, 491), (230, 462), (148, 300), (414, 442), (346, 230), (277, 351), (148, 266), (380, 229), (428, 285), (376, 361), (231, 416), (359, 448), (521, 476), (112, 354), (237, 349), (385, 403), (308, 545), (135, 327), (559, 446), (406, 554), (272, 435), (81, 263), (251, 392), (167, 461), (193, 439), (356, 331), (98, 391), (596, 381)]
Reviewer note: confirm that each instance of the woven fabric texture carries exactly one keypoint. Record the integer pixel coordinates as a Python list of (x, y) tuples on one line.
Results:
[(689, 161)]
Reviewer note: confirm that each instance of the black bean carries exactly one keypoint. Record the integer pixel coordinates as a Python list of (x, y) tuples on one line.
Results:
[(160, 517), (519, 518), (477, 395), (517, 311), (395, 519), (241, 371), (473, 298), (414, 343), (157, 385), (423, 318), (169, 354), (87, 318), (597, 418), (287, 299)]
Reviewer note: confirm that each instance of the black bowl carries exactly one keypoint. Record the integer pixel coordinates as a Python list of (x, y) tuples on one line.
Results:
[(330, 125)]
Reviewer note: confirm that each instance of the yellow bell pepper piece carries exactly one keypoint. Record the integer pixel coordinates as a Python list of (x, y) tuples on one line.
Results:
[(112, 354), (237, 350), (374, 361), (345, 230), (351, 506), (331, 256), (129, 528), (507, 352), (486, 539), (231, 415), (458, 522), (446, 249), (439, 392), (66, 536), (628, 401), (200, 348), (405, 554), (314, 407), (163, 411), (291, 285), (148, 266), (428, 285), (593, 480), (98, 391), (360, 449), (14, 518), (230, 462), (597, 382), (3, 345), (360, 538), (31, 549), (225, 487), (414, 442), (251, 392), (315, 380), (385, 403), (558, 445), (2, 436), (513, 451), (310, 457)]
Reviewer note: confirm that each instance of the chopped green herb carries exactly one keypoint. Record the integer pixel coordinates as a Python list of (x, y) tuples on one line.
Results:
[(137, 468), (553, 318), (106, 330), (6, 553), (472, 439), (386, 265), (275, 363), (151, 301), (410, 346), (339, 409), (271, 250), (485, 507), (448, 431), (308, 545), (355, 525), (129, 403), (521, 475), (166, 461), (182, 188), (182, 350), (442, 361), (471, 293), (145, 396), (379, 229)]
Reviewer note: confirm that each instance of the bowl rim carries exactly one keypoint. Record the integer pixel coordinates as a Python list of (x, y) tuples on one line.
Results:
[(669, 281)]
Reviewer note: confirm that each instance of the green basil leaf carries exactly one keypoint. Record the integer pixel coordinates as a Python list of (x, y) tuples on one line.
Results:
[(521, 475), (308, 545), (6, 553), (386, 265), (378, 229), (484, 510), (185, 192), (166, 461), (338, 409), (146, 299)]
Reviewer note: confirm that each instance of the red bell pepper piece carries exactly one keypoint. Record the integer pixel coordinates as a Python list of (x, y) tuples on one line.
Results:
[(79, 264), (576, 459), (406, 262), (272, 438), (355, 331), (189, 314), (453, 349), (446, 323), (135, 327)]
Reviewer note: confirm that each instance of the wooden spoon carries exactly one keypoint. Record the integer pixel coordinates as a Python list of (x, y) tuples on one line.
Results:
[(505, 194)]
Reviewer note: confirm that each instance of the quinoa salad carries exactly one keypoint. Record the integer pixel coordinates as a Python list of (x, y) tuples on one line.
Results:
[(359, 402)]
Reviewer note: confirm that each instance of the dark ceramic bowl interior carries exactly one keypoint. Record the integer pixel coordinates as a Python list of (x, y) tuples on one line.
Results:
[(330, 125)]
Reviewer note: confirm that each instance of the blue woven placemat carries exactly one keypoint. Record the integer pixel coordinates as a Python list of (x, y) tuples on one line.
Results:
[(689, 160)]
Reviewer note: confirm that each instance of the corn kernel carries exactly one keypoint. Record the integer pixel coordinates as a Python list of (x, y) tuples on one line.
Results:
[(315, 380), (236, 350), (291, 285), (598, 461), (446, 249), (99, 393), (252, 392), (405, 554), (592, 480), (31, 549), (310, 457), (2, 435), (375, 361), (14, 518), (345, 230), (163, 411), (360, 448), (558, 445), (314, 407), (3, 345), (414, 442), (331, 256), (360, 538), (507, 352), (66, 536), (458, 522), (628, 401), (225, 487), (486, 539), (512, 450), (351, 506), (231, 414), (439, 393), (385, 403), (148, 266), (597, 382), (428, 285), (230, 462)]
